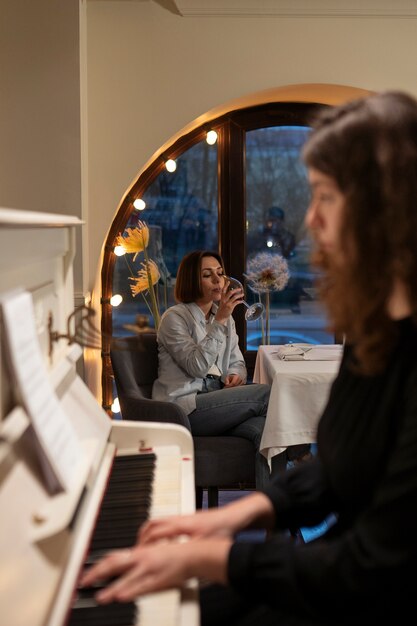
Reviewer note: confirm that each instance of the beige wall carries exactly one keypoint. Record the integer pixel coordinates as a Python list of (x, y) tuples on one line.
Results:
[(151, 72), (40, 166)]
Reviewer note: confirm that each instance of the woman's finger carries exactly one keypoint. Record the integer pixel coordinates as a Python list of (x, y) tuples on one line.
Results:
[(115, 563), (125, 588)]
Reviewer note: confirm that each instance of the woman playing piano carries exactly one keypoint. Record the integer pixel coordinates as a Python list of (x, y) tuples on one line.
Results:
[(362, 162)]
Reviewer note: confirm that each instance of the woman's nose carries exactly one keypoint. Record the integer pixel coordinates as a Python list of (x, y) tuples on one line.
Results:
[(311, 216)]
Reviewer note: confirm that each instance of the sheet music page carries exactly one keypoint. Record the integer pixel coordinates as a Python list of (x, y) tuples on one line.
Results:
[(53, 429)]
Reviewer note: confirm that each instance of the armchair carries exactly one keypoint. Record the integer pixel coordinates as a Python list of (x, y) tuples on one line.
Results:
[(220, 462)]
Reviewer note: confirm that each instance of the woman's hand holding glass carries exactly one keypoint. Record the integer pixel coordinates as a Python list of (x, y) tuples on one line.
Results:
[(230, 298), (253, 311)]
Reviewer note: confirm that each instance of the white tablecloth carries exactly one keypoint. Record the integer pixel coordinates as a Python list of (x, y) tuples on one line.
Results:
[(298, 396)]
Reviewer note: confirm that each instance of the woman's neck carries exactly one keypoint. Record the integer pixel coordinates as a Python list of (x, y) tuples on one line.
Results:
[(205, 307)]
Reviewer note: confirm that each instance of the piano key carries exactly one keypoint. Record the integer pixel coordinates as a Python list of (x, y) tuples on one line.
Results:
[(142, 494), (86, 612)]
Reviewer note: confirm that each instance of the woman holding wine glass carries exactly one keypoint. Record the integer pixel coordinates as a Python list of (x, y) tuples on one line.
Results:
[(201, 367)]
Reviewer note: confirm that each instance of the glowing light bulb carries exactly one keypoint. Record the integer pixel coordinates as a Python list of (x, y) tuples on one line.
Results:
[(171, 165), (119, 250), (116, 299), (139, 204), (211, 137), (115, 407)]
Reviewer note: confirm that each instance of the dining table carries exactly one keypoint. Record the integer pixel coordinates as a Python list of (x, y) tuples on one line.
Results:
[(299, 392)]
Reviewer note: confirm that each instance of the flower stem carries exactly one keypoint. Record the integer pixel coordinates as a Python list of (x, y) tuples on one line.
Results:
[(147, 303), (128, 265), (262, 323), (268, 333), (165, 293), (154, 303)]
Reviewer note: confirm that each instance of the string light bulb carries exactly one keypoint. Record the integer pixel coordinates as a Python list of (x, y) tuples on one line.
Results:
[(139, 204), (211, 137), (119, 251), (171, 165), (116, 299)]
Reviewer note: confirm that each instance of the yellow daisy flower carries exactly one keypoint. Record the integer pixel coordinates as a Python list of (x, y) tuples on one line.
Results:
[(146, 278), (136, 241)]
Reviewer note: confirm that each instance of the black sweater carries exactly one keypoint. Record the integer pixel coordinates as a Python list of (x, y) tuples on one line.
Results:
[(364, 569)]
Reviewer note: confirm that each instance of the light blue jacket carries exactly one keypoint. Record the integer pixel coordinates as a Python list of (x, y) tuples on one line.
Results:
[(187, 347)]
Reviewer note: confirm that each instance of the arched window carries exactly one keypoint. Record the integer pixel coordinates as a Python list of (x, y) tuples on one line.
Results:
[(243, 194)]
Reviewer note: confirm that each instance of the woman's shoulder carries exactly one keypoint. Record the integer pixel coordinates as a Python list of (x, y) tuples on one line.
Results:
[(173, 309), (179, 313), (172, 313), (177, 309)]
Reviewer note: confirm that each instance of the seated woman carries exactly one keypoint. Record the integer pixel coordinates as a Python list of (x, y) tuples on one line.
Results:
[(200, 364)]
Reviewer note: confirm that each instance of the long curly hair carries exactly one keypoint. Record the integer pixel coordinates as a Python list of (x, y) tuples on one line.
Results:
[(369, 147)]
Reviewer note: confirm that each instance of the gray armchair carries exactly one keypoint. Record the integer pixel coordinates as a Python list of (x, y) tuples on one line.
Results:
[(220, 462)]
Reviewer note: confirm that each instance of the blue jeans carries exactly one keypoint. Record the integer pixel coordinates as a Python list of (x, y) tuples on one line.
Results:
[(236, 411)]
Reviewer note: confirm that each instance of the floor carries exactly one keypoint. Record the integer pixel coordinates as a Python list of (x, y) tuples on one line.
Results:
[(226, 496)]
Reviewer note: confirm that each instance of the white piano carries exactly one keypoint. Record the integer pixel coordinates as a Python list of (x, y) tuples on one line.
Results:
[(44, 538)]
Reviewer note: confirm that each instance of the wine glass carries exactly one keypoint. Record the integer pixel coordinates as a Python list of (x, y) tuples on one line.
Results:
[(253, 311)]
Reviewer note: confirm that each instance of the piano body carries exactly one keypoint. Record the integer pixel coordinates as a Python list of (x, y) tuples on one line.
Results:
[(44, 538)]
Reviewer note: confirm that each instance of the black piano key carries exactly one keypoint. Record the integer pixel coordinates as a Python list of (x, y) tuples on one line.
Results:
[(129, 486), (141, 493), (86, 612), (130, 471), (144, 460), (130, 483), (118, 529), (130, 529), (121, 513), (119, 523), (89, 592), (125, 539), (109, 537), (94, 556), (142, 489), (125, 502), (123, 466), (126, 458)]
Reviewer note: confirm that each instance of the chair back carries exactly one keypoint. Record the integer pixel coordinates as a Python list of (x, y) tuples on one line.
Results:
[(135, 363)]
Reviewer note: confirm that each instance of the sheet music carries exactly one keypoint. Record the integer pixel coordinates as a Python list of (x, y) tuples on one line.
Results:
[(53, 430)]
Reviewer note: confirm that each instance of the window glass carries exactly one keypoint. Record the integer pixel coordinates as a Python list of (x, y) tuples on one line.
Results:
[(277, 197), (182, 215)]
